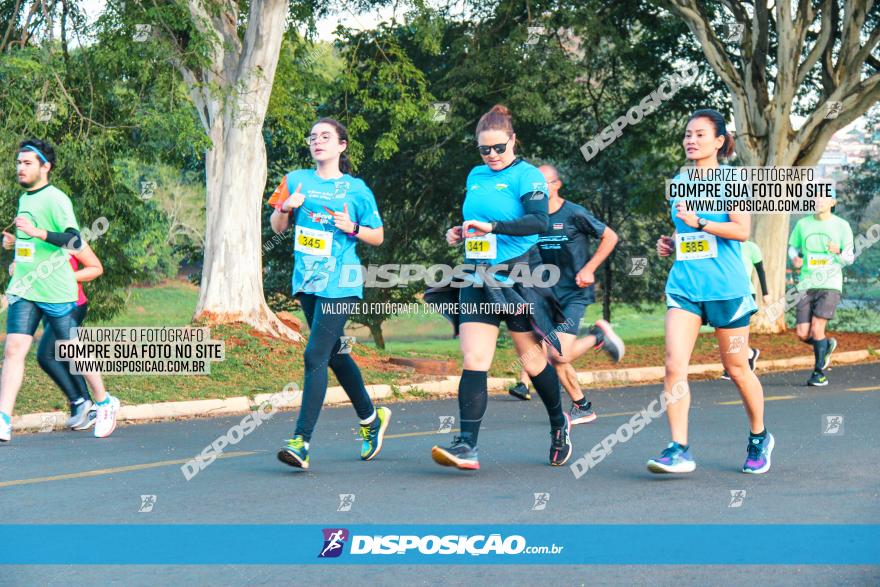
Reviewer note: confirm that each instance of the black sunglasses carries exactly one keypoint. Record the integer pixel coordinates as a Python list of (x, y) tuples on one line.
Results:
[(499, 148)]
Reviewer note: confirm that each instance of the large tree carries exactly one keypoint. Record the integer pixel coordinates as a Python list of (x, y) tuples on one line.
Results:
[(791, 58), (227, 52)]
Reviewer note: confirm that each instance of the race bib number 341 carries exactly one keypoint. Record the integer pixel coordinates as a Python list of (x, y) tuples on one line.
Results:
[(481, 247), (313, 242), (695, 245)]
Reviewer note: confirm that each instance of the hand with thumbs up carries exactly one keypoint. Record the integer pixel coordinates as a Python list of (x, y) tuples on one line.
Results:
[(342, 220), (295, 200)]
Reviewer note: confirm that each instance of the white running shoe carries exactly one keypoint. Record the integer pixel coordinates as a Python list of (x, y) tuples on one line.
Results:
[(105, 423), (5, 431)]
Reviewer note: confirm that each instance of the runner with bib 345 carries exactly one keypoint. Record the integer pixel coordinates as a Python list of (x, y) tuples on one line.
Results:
[(330, 211)]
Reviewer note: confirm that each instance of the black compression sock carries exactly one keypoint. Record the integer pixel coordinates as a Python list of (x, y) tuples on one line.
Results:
[(581, 403), (547, 385), (761, 434), (820, 347), (472, 400), (599, 334)]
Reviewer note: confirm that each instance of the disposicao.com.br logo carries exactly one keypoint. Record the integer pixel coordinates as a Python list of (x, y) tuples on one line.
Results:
[(476, 545)]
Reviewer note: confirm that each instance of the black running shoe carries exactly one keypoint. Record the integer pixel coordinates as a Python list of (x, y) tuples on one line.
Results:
[(460, 454), (753, 359), (560, 445), (520, 391)]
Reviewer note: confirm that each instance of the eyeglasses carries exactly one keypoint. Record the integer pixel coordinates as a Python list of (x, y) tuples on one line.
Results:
[(499, 148), (319, 138)]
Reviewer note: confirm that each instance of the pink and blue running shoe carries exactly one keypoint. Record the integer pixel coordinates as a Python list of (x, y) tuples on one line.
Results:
[(675, 458), (758, 459)]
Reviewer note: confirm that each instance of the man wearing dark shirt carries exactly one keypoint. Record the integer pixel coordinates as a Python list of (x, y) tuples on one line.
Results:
[(566, 244)]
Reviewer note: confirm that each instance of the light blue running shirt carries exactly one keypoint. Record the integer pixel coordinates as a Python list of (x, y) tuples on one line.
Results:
[(495, 196), (722, 277), (321, 251)]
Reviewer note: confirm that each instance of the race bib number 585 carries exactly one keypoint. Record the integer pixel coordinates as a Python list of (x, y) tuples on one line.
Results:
[(695, 245)]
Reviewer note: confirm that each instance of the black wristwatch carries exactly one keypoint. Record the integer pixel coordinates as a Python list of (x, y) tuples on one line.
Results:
[(702, 222), (357, 228)]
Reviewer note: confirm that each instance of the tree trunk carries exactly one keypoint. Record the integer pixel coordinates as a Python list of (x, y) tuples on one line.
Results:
[(376, 333), (231, 287), (232, 112), (771, 235)]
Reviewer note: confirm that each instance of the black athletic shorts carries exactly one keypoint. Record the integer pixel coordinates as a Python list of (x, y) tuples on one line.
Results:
[(820, 303), (474, 306), (574, 312)]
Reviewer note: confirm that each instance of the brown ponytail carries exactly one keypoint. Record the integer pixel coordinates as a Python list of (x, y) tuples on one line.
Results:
[(498, 118), (717, 120), (726, 149)]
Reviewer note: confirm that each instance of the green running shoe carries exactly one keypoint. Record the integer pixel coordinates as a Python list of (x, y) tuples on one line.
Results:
[(295, 453), (817, 379), (826, 360), (373, 433)]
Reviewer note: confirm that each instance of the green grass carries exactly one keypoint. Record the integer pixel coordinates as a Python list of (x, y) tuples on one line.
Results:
[(169, 304)]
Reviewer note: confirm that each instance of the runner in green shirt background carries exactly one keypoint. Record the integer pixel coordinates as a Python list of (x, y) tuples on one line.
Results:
[(820, 246), (43, 284)]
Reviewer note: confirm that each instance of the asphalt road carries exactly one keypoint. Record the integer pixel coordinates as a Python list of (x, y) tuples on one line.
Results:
[(817, 477)]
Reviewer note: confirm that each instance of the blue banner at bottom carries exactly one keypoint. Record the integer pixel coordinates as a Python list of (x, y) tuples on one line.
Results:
[(207, 544)]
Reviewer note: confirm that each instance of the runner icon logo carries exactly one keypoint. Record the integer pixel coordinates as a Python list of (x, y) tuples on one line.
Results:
[(541, 500), (737, 496), (47, 423), (833, 109), (736, 344), (446, 424), (345, 344), (334, 539), (638, 265), (832, 424), (346, 500), (147, 503)]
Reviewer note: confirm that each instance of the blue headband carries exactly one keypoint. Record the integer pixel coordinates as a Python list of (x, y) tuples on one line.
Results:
[(37, 151)]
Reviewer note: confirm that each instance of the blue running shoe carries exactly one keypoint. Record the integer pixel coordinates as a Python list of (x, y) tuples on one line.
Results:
[(758, 459), (460, 455), (373, 433), (674, 459), (295, 453)]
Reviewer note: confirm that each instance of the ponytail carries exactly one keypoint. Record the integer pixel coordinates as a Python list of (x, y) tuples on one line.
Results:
[(344, 163), (717, 120), (726, 149)]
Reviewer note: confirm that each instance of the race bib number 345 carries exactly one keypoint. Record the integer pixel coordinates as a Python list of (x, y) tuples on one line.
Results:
[(695, 245), (313, 242)]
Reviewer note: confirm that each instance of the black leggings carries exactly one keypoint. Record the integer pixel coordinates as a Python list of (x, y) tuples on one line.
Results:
[(73, 386), (326, 325)]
